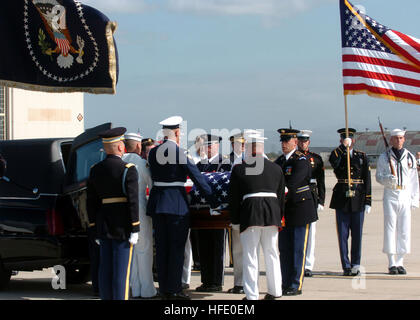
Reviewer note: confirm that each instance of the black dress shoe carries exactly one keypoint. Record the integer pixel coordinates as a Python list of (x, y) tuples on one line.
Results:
[(270, 297), (237, 290), (401, 270), (292, 292), (355, 273), (308, 273), (347, 273), (178, 296), (393, 270), (208, 288)]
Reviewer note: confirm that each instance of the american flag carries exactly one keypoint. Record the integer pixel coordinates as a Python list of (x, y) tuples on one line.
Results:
[(219, 182), (378, 61)]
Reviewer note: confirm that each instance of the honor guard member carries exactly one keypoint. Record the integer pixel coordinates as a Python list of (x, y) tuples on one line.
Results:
[(300, 212), (141, 281), (211, 242), (352, 206), (113, 209), (401, 195), (2, 166), (236, 157), (317, 186), (168, 206), (146, 145), (256, 206)]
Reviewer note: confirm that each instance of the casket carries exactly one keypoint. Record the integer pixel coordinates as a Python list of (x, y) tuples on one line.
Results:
[(201, 219)]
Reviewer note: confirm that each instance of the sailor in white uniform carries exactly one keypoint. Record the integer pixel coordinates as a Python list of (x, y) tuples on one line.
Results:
[(141, 277), (401, 195)]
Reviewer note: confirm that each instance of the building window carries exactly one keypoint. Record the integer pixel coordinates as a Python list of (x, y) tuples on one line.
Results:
[(2, 113)]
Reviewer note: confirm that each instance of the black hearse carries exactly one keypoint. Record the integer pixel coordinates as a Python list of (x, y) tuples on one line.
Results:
[(43, 217)]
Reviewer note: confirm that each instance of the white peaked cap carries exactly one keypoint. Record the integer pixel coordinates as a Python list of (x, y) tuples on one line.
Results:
[(304, 133), (397, 132), (133, 136), (171, 122), (252, 138), (251, 132)]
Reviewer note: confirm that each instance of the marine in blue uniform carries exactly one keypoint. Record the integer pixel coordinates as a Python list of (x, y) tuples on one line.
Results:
[(350, 211), (300, 212), (112, 204), (168, 206), (211, 242)]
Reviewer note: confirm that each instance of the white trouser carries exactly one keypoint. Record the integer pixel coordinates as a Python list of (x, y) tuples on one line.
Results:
[(395, 260), (237, 258), (188, 261), (310, 253), (141, 276), (397, 223), (268, 238)]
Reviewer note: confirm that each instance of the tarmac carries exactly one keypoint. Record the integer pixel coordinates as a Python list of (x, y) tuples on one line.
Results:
[(327, 282)]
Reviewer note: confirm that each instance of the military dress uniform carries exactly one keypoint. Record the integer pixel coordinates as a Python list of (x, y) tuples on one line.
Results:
[(317, 186), (235, 245), (211, 242), (141, 279), (112, 204), (401, 195), (256, 206), (169, 209), (350, 211), (300, 212)]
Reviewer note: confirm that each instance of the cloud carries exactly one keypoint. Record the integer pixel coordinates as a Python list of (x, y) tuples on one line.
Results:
[(119, 6), (278, 8)]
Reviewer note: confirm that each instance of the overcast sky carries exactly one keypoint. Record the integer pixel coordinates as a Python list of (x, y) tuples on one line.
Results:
[(242, 64)]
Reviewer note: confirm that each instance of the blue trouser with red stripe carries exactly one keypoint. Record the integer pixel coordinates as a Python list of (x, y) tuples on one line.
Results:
[(114, 269), (293, 243)]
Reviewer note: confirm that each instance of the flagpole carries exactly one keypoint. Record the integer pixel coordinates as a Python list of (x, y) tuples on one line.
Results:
[(349, 193)]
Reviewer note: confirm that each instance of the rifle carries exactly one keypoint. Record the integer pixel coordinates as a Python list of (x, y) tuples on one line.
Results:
[(387, 148)]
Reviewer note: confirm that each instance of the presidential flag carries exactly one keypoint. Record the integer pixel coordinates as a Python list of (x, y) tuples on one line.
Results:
[(57, 46), (377, 60), (219, 183)]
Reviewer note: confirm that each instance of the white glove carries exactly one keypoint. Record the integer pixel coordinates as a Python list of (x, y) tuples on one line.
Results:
[(414, 205), (347, 142), (320, 207), (134, 237), (367, 209), (98, 242), (214, 212), (235, 227)]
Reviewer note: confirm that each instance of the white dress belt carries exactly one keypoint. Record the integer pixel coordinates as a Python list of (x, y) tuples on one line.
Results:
[(260, 195), (169, 184)]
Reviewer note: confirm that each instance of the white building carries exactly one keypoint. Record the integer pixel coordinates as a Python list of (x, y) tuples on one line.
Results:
[(28, 114)]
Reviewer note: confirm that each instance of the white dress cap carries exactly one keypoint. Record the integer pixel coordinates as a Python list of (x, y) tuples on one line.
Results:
[(252, 138), (171, 122), (133, 136), (304, 133), (397, 132)]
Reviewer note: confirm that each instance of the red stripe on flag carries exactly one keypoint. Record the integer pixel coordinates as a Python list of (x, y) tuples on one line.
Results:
[(380, 62), (380, 91), (401, 51), (409, 40), (381, 76)]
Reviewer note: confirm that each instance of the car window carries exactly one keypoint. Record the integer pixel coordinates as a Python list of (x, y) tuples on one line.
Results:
[(87, 156)]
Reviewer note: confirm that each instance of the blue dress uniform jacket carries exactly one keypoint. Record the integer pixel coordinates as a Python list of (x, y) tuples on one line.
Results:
[(360, 172), (299, 207), (173, 199), (112, 200)]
